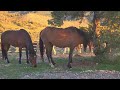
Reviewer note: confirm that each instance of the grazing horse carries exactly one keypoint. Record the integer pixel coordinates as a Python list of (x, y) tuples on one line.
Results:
[(59, 37), (78, 48), (21, 39)]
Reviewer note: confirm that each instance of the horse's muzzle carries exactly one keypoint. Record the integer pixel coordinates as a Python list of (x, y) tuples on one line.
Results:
[(35, 66)]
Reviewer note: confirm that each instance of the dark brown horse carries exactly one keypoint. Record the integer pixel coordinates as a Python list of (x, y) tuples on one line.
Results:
[(68, 37), (21, 39)]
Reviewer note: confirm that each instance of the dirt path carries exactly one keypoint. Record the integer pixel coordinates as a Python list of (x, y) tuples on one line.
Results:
[(89, 74), (99, 74)]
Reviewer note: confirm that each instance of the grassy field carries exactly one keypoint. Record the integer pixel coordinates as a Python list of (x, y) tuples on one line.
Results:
[(80, 63), (34, 23)]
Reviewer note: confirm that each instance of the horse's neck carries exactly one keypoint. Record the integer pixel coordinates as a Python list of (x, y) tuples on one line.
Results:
[(30, 48)]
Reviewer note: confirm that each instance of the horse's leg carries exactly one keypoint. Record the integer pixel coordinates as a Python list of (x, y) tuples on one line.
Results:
[(80, 48), (3, 51), (64, 50), (54, 51), (27, 56), (49, 53), (6, 50), (20, 54), (77, 49), (70, 57), (51, 46), (68, 49), (90, 47)]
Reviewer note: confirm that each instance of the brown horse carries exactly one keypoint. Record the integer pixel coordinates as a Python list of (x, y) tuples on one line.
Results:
[(68, 37), (21, 39)]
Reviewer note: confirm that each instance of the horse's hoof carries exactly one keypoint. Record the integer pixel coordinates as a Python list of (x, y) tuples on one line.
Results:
[(69, 66), (35, 66), (70, 61), (19, 62), (8, 62), (51, 65), (54, 63), (28, 63)]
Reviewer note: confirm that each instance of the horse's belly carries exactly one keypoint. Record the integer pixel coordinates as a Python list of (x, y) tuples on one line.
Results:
[(18, 44), (63, 44)]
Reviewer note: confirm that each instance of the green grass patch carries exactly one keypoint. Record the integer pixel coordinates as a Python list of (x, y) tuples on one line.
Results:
[(14, 70)]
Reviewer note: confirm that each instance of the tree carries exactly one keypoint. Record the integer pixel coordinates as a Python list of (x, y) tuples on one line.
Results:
[(110, 19)]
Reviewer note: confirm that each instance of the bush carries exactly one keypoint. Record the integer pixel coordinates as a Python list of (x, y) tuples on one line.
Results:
[(111, 50)]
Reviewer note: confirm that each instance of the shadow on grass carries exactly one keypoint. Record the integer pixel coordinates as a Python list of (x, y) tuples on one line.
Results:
[(80, 63)]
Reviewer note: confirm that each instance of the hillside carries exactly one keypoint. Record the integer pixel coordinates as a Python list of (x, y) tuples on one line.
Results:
[(32, 21)]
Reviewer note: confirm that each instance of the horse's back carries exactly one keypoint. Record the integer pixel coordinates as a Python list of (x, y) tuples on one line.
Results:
[(61, 37), (7, 35), (15, 38), (52, 32), (12, 33)]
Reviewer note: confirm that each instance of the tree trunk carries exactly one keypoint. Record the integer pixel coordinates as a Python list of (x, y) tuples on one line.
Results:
[(96, 31), (96, 25)]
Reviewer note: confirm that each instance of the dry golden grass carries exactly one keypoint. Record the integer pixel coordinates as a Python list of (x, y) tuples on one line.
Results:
[(32, 22)]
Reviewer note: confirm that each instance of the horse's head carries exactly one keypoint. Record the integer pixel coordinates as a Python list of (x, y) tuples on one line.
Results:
[(88, 40), (32, 59)]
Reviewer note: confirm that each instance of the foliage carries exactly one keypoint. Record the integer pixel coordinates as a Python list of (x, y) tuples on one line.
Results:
[(106, 18), (59, 16)]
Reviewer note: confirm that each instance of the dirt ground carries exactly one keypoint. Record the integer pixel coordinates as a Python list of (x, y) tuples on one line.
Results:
[(98, 74)]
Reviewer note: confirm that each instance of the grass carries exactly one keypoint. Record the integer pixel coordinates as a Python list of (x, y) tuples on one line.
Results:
[(80, 64), (17, 71)]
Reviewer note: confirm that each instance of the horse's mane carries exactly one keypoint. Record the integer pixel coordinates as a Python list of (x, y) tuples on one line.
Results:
[(26, 33), (29, 41), (80, 32)]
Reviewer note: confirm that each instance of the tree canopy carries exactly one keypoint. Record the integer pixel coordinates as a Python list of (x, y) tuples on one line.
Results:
[(109, 18), (97, 19)]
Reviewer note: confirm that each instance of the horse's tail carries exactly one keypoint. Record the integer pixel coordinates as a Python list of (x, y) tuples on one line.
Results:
[(41, 46)]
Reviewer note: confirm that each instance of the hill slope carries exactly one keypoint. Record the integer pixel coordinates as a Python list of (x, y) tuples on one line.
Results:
[(32, 21)]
